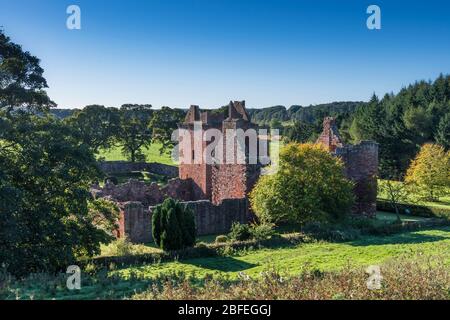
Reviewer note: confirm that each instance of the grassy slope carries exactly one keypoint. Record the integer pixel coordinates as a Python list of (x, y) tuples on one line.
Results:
[(321, 255), (152, 155)]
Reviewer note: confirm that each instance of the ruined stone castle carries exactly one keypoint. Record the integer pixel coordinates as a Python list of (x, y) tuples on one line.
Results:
[(217, 192), (217, 181)]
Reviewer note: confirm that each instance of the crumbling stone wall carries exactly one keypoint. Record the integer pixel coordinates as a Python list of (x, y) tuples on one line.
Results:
[(192, 150), (133, 190), (361, 166), (214, 219), (229, 182), (136, 222), (112, 167), (147, 194), (330, 135)]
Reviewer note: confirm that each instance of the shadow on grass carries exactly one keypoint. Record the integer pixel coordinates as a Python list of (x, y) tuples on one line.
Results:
[(227, 263), (402, 238)]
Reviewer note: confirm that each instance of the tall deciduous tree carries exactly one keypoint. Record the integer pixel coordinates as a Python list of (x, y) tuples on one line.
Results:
[(135, 133), (429, 172), (164, 122), (21, 79), (45, 173), (310, 185), (95, 125)]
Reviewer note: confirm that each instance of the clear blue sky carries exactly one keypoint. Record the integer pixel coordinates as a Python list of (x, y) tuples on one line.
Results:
[(208, 52)]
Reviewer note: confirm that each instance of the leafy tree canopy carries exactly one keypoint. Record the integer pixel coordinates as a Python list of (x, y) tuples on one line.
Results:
[(309, 185), (45, 173), (21, 79), (429, 172)]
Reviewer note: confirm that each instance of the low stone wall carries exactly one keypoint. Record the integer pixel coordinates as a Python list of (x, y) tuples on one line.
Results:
[(136, 222), (214, 219), (111, 167)]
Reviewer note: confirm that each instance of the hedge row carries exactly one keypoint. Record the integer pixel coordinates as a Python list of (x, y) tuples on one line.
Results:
[(415, 210)]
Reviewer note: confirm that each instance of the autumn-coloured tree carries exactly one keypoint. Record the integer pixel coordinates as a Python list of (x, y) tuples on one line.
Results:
[(429, 172), (310, 185)]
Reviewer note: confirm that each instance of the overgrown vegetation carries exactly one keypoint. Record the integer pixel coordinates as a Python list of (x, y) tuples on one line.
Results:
[(244, 231), (420, 277)]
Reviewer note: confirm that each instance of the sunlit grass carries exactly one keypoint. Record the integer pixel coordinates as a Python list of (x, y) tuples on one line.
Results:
[(152, 154), (324, 256)]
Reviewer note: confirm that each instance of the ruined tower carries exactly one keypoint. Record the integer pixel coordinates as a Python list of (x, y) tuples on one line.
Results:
[(361, 166), (222, 179)]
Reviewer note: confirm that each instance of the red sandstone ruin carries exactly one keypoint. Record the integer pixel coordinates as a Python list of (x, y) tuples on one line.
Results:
[(361, 166), (218, 192)]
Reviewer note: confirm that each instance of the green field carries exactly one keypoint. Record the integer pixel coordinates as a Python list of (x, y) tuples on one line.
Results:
[(324, 256), (290, 260), (152, 154)]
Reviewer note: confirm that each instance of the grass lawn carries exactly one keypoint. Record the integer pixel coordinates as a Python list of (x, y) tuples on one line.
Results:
[(292, 260), (143, 176), (151, 155), (444, 202), (388, 216), (324, 256)]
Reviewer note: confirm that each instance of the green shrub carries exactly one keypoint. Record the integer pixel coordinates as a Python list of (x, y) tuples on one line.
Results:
[(173, 226), (263, 231), (325, 231), (221, 239), (120, 247), (309, 185), (239, 232), (360, 222), (123, 247)]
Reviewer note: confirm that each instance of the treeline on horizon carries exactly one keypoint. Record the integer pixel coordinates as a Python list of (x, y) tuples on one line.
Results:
[(400, 123)]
